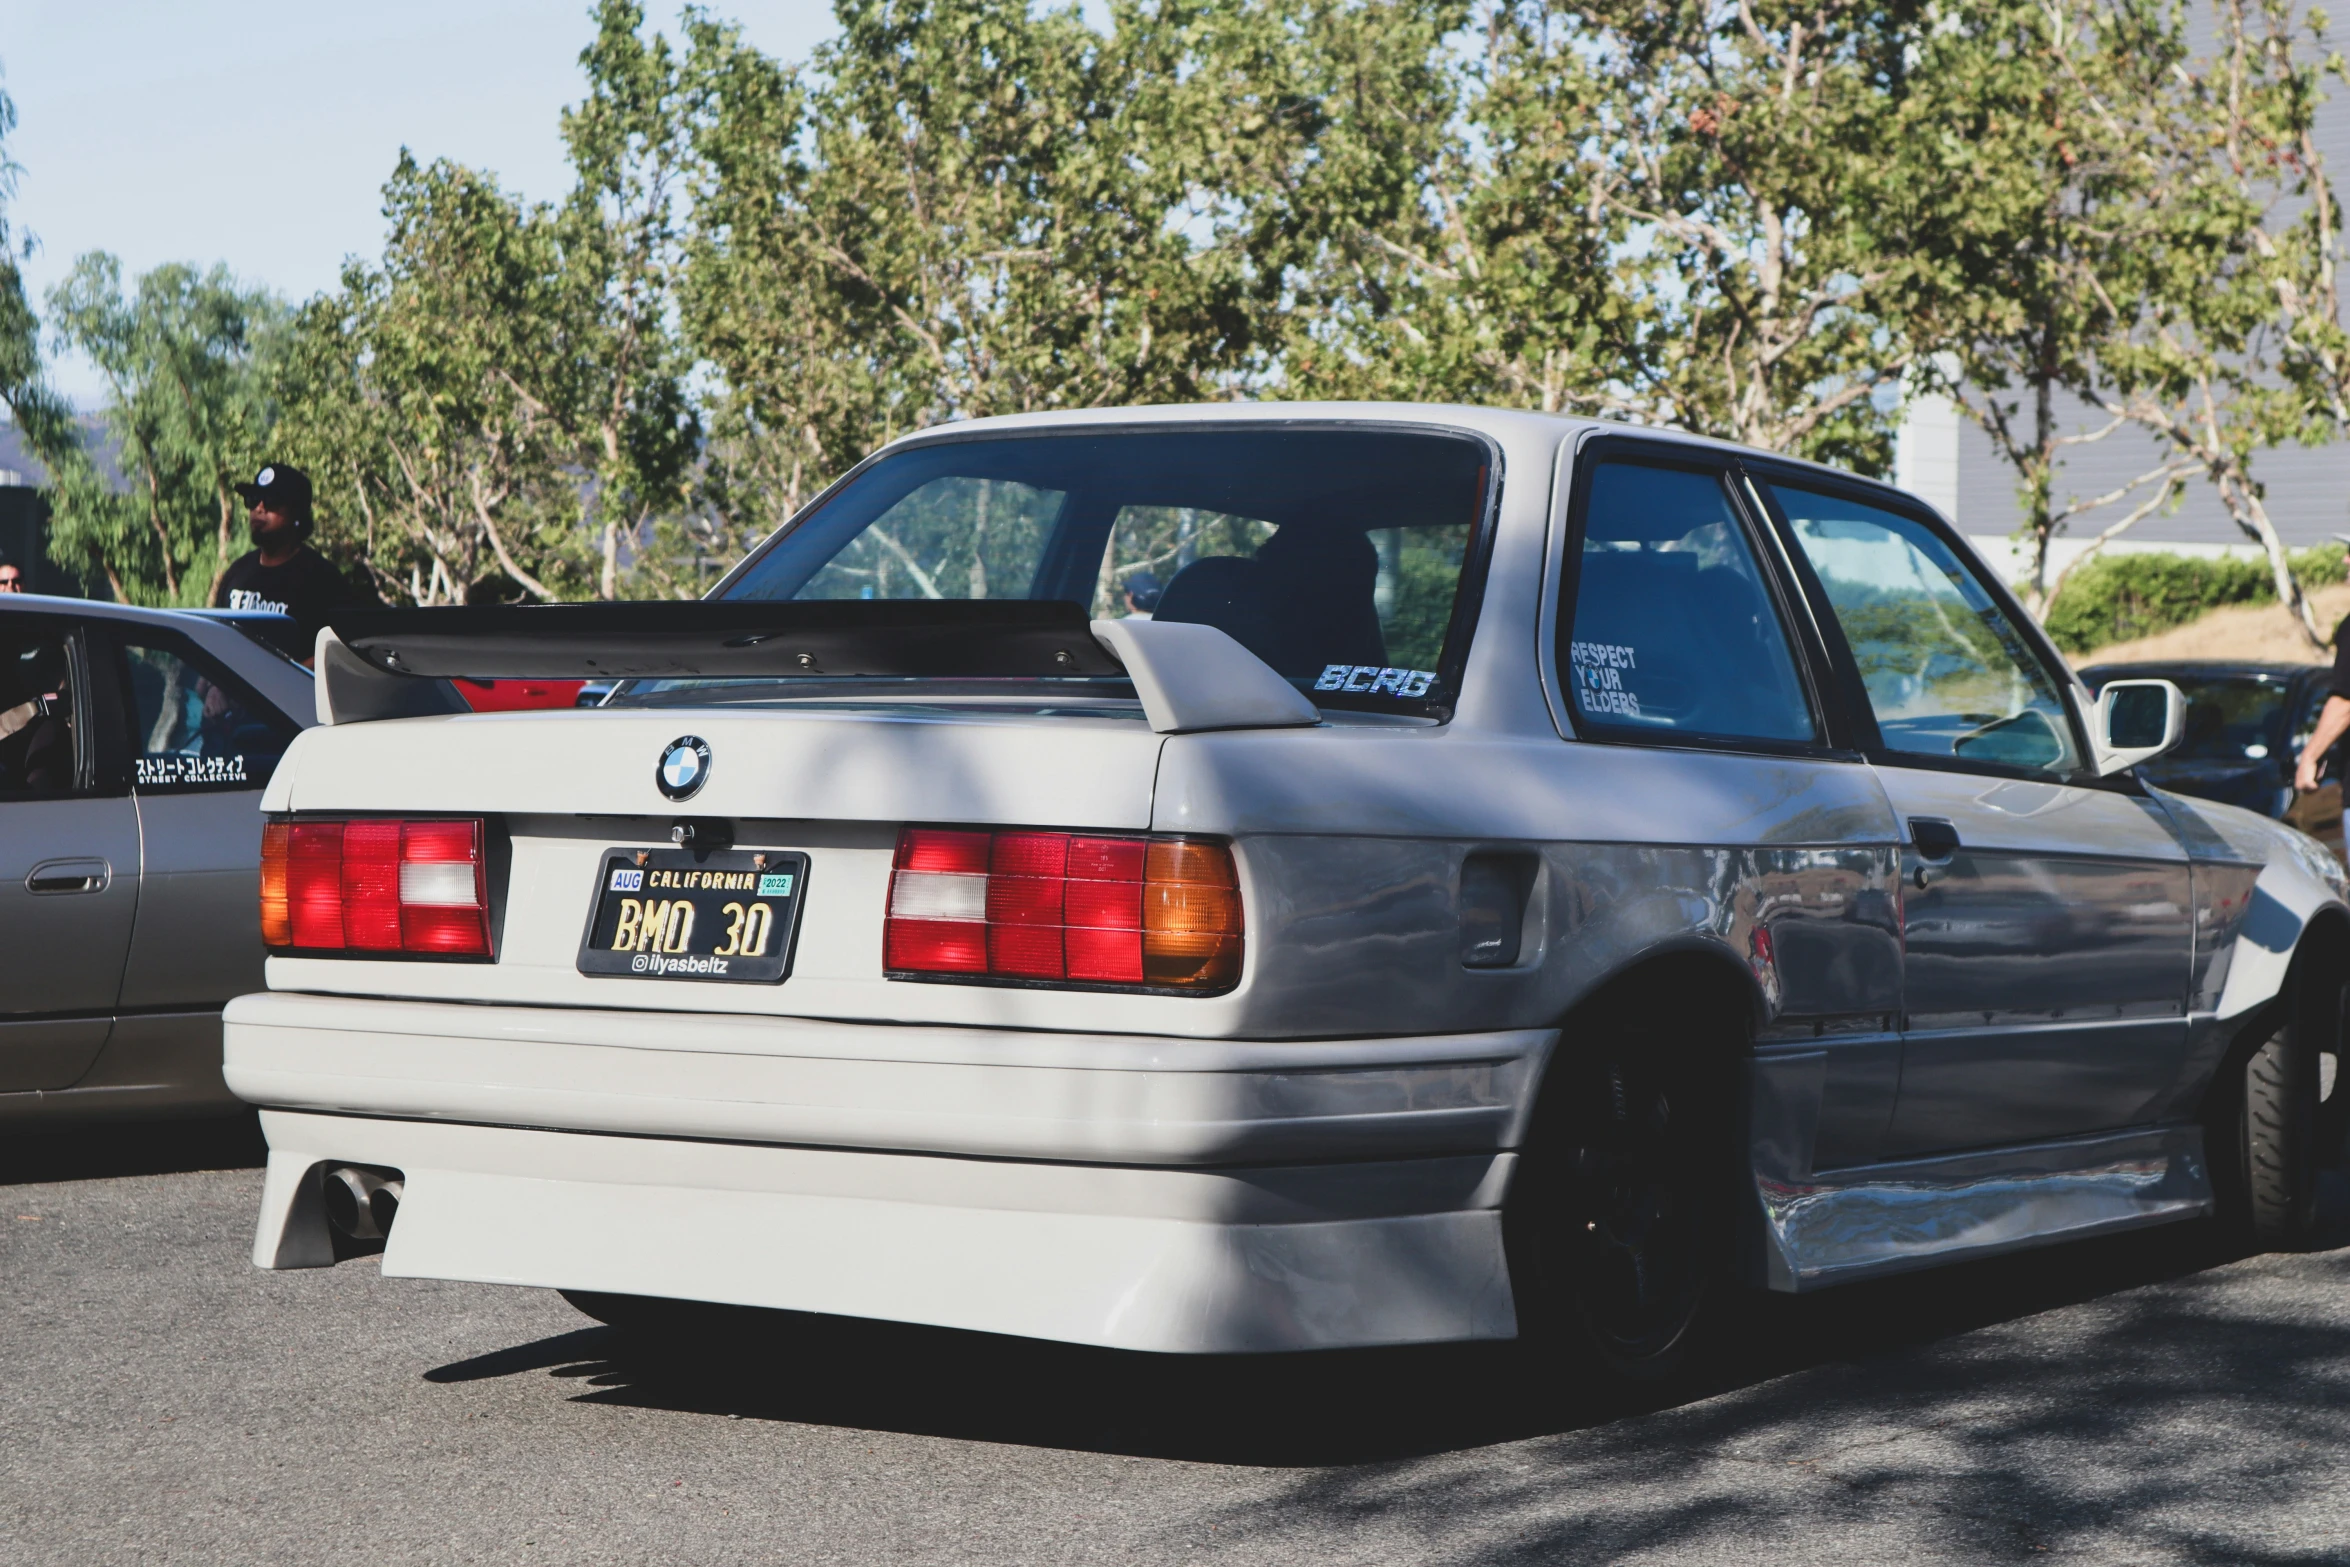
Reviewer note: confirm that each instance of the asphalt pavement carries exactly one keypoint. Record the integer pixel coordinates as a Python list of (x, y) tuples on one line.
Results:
[(2147, 1399)]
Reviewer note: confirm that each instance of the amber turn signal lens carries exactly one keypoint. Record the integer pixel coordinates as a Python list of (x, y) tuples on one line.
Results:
[(1191, 922), (277, 914)]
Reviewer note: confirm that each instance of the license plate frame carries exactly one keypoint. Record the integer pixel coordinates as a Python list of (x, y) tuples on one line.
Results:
[(614, 946)]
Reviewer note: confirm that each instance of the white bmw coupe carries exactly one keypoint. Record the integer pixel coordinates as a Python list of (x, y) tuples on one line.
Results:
[(1258, 878)]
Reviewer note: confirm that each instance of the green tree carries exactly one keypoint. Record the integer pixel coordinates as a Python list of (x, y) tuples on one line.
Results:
[(630, 422), (433, 397), (2041, 136), (2207, 340), (965, 207), (1675, 212), (1756, 148), (505, 393), (184, 356), (1428, 222)]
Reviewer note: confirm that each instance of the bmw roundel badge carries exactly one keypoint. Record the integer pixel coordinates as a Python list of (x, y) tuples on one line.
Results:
[(685, 762)]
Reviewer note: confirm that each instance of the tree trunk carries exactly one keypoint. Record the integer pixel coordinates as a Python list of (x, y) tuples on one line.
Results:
[(2245, 506), (227, 517), (171, 580)]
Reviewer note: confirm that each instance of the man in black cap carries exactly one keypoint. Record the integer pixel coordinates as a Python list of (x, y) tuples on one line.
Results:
[(2333, 720), (282, 574)]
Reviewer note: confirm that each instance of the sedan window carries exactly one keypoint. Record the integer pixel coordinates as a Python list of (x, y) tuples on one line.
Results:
[(1948, 675), (1673, 632), (194, 726), (2232, 720), (37, 715)]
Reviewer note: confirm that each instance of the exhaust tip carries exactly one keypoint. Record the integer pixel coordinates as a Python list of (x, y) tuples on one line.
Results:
[(383, 1204), (361, 1202)]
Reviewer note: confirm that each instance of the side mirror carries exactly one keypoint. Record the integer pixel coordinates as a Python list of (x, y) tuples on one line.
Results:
[(2135, 721)]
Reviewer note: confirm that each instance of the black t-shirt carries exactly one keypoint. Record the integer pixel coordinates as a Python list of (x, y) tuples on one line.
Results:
[(307, 588), (2340, 686)]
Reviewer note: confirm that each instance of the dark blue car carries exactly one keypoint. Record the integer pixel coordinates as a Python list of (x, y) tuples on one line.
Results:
[(2246, 724)]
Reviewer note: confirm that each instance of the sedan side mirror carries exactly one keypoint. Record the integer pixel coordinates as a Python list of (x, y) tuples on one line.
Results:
[(2135, 721)]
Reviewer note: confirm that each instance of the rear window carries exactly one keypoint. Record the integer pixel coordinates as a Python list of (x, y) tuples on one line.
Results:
[(1336, 556)]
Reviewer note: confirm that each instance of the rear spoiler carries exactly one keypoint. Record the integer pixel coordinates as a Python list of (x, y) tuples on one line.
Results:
[(397, 663)]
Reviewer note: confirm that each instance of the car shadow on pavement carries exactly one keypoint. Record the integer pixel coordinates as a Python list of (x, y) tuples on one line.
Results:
[(96, 1151), (1352, 1408)]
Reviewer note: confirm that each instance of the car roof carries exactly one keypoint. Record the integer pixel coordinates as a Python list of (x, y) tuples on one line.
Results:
[(1500, 423), (284, 684), (103, 609), (2153, 667)]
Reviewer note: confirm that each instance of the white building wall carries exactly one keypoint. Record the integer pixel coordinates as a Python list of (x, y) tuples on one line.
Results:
[(1925, 453)]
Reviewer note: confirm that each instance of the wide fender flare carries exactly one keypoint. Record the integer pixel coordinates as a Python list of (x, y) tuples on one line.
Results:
[(2287, 900), (1684, 952)]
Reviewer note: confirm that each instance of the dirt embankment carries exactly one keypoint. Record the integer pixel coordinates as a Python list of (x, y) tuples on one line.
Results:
[(2259, 633)]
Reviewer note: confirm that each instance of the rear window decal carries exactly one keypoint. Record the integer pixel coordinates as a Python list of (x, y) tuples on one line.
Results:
[(1375, 680), (1599, 678), (181, 768)]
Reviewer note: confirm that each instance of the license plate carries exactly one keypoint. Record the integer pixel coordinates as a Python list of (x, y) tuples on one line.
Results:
[(676, 914)]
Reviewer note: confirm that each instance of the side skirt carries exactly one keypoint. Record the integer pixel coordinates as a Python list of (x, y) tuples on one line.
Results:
[(1838, 1226)]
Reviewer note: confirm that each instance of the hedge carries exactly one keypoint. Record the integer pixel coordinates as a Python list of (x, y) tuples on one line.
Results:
[(2119, 598)]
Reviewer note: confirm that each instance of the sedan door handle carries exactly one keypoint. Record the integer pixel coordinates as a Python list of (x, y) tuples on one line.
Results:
[(1934, 839), (86, 875)]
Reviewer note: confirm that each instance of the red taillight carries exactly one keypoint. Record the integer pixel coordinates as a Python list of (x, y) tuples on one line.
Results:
[(375, 884), (1157, 913)]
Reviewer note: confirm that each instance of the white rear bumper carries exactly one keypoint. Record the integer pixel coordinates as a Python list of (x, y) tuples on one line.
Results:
[(1146, 1193)]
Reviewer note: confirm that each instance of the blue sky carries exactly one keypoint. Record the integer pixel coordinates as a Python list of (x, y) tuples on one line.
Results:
[(260, 133)]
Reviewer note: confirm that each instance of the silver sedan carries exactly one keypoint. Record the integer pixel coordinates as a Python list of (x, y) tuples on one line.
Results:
[(134, 744)]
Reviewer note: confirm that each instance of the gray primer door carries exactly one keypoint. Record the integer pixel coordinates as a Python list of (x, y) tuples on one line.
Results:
[(2047, 961), (69, 867), (2046, 918)]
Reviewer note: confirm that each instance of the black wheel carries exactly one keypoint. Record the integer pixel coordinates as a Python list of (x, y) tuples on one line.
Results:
[(2289, 1122), (1621, 1211), (2333, 1089)]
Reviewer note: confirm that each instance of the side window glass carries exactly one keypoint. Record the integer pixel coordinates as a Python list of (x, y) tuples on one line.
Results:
[(1947, 673), (193, 726), (40, 712), (1673, 630)]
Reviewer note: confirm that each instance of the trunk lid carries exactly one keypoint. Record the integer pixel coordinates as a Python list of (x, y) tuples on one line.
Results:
[(568, 788), (899, 764)]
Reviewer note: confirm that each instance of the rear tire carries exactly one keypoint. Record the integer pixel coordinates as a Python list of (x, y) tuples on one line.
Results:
[(1620, 1218)]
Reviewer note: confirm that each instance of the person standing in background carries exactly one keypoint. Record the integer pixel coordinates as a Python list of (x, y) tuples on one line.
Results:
[(282, 574), (2333, 720), (11, 577)]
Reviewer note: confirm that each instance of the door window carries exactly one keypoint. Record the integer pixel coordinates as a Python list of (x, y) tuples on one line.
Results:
[(1947, 673), (193, 725), (40, 713), (1674, 631)]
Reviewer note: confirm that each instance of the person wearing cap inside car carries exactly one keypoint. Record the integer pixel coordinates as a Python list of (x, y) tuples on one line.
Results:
[(282, 574), (2333, 720)]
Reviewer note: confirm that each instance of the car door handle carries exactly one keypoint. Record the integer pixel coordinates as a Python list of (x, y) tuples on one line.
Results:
[(1934, 839), (84, 875)]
